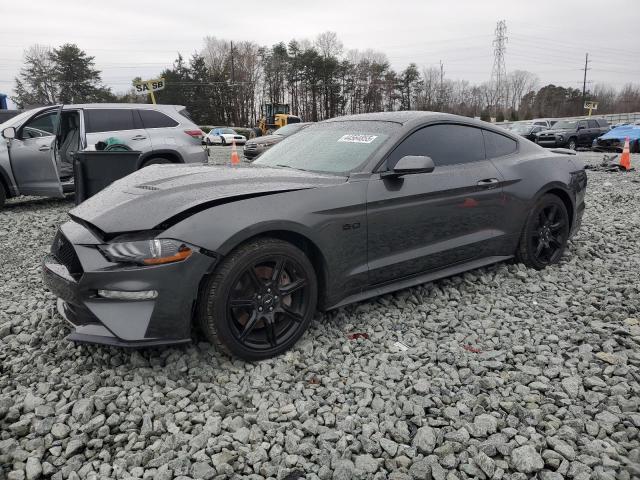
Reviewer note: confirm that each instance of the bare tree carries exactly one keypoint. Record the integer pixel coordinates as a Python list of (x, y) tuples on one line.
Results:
[(328, 44), (520, 82), (36, 84)]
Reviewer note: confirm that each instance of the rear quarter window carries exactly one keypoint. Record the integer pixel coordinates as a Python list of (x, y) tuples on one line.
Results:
[(497, 145), (155, 119), (603, 123), (108, 120)]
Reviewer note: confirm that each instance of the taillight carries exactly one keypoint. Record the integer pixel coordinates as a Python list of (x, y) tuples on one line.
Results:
[(195, 133)]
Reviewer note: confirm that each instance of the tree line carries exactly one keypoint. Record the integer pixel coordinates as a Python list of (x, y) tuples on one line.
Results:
[(228, 83)]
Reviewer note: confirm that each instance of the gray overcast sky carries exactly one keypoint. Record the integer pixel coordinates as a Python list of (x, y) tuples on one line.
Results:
[(547, 37)]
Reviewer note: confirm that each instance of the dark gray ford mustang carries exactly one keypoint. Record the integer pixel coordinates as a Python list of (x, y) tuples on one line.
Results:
[(348, 209)]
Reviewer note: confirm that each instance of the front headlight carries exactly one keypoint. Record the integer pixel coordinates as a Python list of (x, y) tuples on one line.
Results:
[(560, 137), (147, 252)]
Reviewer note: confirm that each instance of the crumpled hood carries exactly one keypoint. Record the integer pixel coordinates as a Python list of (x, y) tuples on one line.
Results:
[(155, 194)]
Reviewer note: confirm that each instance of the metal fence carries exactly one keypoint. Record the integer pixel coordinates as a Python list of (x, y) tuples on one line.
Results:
[(612, 118)]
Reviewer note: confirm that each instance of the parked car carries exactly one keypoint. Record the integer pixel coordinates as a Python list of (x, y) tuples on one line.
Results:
[(36, 147), (7, 114), (614, 139), (348, 209), (543, 122), (573, 133), (528, 130), (258, 145), (224, 136)]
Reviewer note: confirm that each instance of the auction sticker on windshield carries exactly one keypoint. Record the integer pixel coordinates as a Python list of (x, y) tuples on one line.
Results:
[(355, 138)]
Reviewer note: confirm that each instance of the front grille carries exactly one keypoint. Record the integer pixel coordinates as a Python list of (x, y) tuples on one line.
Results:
[(251, 146), (65, 254)]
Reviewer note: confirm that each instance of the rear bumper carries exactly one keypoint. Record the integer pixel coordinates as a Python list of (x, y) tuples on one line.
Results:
[(165, 319)]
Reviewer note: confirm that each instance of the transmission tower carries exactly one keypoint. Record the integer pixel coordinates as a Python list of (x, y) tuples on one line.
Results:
[(499, 71)]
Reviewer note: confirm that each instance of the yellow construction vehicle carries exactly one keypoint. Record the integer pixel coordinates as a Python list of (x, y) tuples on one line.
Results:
[(276, 115)]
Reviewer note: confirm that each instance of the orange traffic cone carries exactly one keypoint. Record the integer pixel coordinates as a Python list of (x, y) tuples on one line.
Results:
[(625, 158), (235, 158)]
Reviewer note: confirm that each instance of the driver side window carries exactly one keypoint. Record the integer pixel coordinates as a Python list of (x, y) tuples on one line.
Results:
[(446, 144), (41, 126)]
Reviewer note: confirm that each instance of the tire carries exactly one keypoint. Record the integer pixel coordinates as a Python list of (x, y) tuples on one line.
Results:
[(248, 272), (545, 234), (3, 195), (572, 144), (156, 161), (223, 141), (208, 141)]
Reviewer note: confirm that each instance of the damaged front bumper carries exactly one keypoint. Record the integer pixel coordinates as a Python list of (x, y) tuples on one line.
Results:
[(79, 274)]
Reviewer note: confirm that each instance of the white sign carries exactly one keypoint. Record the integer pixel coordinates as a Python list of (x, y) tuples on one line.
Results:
[(147, 86), (591, 105), (357, 138)]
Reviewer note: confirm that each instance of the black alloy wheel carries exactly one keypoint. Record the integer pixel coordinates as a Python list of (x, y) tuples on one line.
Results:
[(545, 235), (260, 300)]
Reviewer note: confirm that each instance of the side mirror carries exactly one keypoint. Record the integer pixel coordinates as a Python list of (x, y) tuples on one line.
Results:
[(409, 165), (9, 133)]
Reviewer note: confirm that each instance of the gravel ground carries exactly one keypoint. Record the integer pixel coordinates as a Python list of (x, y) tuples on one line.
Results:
[(508, 373)]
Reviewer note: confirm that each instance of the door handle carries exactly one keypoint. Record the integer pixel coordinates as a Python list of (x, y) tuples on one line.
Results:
[(44, 148), (488, 182), (138, 137)]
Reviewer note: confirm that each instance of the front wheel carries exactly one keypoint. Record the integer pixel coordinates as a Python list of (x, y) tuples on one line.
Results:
[(545, 233), (260, 300), (223, 141), (572, 144), (3, 196)]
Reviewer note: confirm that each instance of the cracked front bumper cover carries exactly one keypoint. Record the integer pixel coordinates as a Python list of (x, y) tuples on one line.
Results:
[(132, 323)]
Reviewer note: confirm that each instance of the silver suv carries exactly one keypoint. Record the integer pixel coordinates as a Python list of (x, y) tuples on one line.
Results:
[(36, 146)]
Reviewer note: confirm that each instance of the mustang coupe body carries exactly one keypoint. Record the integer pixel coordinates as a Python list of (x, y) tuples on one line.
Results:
[(349, 208)]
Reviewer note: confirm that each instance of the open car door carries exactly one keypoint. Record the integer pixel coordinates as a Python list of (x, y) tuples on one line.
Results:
[(33, 154)]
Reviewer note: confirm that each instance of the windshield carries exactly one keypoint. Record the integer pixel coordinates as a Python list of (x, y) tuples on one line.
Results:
[(289, 129), (228, 130), (334, 147), (521, 128), (565, 124)]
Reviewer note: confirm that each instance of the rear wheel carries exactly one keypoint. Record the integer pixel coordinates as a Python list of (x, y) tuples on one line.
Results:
[(156, 161), (545, 233), (260, 300)]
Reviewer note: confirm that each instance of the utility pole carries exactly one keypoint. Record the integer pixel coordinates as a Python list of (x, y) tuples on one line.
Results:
[(233, 86), (499, 71), (441, 85), (584, 81)]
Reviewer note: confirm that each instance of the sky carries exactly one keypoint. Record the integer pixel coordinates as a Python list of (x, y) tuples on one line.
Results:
[(547, 37)]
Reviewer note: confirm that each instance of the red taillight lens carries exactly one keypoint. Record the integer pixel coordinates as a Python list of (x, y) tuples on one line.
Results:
[(195, 133)]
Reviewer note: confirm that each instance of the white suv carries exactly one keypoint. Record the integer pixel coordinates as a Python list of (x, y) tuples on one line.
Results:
[(36, 146)]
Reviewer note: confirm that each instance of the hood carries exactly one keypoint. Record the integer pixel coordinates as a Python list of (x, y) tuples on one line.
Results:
[(158, 193), (266, 139), (556, 131)]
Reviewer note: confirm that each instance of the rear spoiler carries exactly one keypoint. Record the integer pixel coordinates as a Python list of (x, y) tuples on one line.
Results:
[(564, 151)]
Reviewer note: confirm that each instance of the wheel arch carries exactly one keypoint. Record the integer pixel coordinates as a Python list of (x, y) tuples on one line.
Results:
[(170, 155), (563, 194), (300, 240)]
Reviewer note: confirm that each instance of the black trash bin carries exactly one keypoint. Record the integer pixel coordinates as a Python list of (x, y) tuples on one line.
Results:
[(95, 170)]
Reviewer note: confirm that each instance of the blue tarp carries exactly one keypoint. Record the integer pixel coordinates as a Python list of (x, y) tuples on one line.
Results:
[(3, 101), (622, 132)]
